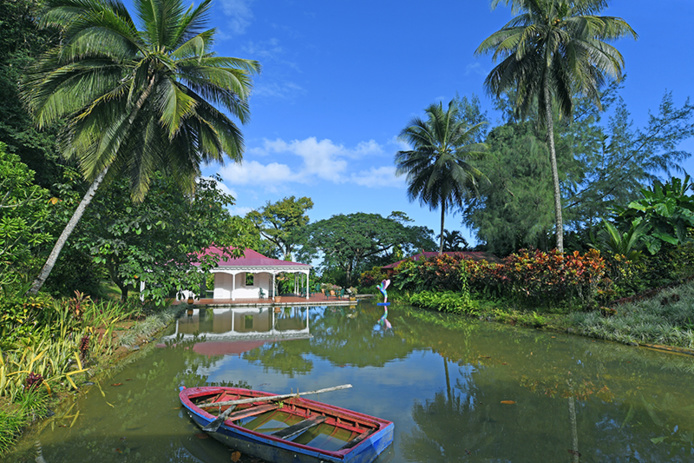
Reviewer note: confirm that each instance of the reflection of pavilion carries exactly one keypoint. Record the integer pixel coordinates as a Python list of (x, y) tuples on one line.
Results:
[(241, 323)]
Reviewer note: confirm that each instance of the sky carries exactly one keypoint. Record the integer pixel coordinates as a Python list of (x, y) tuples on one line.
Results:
[(340, 80)]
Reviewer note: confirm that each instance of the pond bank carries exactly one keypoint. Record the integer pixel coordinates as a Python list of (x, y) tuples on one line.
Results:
[(128, 336)]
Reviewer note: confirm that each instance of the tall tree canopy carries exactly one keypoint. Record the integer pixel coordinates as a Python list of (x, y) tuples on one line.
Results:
[(137, 100), (348, 241), (282, 224), (551, 51), (438, 167)]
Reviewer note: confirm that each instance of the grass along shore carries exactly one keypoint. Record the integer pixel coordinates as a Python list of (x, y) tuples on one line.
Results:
[(33, 404), (664, 321)]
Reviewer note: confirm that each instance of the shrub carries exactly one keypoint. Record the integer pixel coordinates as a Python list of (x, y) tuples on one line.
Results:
[(372, 277), (447, 301)]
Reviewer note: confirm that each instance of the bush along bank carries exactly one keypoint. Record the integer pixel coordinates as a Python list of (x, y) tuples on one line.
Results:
[(49, 348), (569, 292)]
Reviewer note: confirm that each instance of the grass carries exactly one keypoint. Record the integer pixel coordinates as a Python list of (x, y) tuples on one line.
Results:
[(57, 355), (667, 318)]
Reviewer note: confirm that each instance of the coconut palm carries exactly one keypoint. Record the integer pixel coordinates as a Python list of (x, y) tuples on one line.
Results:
[(137, 100), (438, 166), (551, 51)]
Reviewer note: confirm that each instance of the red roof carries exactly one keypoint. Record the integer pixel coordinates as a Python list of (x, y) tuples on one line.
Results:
[(250, 258), (473, 255)]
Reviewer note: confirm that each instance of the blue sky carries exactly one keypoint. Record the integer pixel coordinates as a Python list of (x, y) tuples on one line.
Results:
[(341, 79)]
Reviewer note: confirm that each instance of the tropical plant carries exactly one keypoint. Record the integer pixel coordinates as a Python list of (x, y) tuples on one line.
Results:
[(620, 243), (454, 241), (137, 100), (438, 167), (665, 211), (551, 51)]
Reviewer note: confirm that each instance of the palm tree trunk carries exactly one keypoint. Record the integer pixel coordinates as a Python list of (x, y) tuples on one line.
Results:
[(77, 215), (555, 171), (67, 231), (443, 215)]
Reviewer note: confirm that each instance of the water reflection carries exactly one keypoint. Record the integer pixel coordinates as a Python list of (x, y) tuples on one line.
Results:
[(457, 389), (247, 322)]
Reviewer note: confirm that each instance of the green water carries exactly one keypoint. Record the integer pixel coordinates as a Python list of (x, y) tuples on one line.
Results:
[(457, 390)]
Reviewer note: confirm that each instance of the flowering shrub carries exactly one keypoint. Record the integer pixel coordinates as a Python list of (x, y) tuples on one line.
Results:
[(538, 275), (530, 277), (371, 277)]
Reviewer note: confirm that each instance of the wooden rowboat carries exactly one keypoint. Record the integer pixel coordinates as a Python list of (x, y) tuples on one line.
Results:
[(289, 429)]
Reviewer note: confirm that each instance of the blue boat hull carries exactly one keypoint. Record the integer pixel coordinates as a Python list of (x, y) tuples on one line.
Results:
[(285, 451)]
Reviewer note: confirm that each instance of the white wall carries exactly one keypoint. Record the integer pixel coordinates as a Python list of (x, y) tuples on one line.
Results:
[(223, 286)]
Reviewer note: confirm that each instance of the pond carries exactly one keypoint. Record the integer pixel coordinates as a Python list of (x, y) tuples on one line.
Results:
[(456, 389)]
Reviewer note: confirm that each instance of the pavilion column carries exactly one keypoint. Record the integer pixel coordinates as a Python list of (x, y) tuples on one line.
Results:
[(233, 286), (308, 291), (274, 291)]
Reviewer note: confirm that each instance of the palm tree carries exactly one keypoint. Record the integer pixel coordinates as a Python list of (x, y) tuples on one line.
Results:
[(137, 101), (438, 169), (551, 51)]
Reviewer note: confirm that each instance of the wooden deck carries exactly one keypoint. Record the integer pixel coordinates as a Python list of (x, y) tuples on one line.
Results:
[(284, 300)]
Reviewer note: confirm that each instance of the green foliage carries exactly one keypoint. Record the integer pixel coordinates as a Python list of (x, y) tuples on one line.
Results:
[(446, 301), (370, 278), (438, 167), (515, 209), (664, 319), (514, 317), (24, 212), (157, 241), (348, 242), (137, 102), (282, 224), (550, 52), (21, 42), (665, 211)]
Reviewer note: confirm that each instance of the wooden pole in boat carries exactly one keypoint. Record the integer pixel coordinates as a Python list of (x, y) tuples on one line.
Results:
[(214, 425)]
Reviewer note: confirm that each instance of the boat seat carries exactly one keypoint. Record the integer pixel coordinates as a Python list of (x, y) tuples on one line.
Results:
[(301, 426), (357, 439), (252, 411)]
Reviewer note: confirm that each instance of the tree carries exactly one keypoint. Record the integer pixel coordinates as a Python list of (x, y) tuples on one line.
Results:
[(282, 223), (550, 52), (347, 241), (438, 166), (157, 241), (603, 163), (513, 210), (454, 241), (24, 211), (21, 42), (137, 100), (624, 159)]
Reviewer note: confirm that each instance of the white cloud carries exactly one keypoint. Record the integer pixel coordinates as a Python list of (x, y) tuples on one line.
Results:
[(284, 90), (377, 177), (308, 160), (240, 13), (253, 172), (264, 50), (476, 69), (400, 144)]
